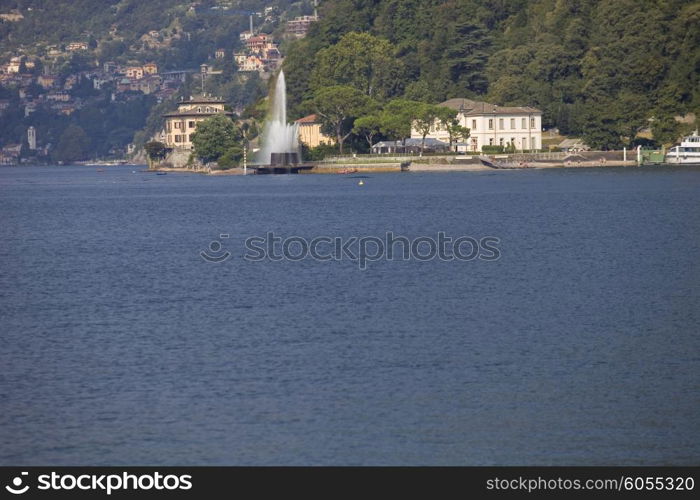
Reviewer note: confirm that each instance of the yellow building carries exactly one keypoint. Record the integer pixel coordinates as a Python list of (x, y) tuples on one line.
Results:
[(180, 124), (310, 132)]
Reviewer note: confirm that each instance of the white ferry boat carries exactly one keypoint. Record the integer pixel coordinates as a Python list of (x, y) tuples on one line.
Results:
[(688, 153)]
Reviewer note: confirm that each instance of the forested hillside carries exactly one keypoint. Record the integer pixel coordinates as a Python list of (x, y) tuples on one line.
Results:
[(603, 69)]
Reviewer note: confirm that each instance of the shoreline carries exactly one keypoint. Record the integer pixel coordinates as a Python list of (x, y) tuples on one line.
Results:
[(319, 168), (355, 168)]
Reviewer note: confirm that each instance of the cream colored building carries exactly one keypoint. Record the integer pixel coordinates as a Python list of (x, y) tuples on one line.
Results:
[(310, 132), (181, 124), (492, 125)]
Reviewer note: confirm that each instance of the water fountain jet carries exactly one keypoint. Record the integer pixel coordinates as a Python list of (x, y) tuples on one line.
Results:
[(280, 148)]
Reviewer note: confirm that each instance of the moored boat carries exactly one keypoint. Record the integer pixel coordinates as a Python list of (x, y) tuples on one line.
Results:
[(687, 152)]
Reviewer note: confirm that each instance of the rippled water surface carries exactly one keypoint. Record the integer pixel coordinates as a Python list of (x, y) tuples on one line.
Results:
[(121, 345)]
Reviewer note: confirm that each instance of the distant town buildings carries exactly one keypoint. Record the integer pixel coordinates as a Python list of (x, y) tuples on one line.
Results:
[(492, 125), (57, 94), (261, 54), (181, 124)]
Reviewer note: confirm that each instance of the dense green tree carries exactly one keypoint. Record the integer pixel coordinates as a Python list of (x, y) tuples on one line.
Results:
[(398, 116), (156, 150), (215, 137), (426, 118), (73, 145), (232, 157), (337, 106), (466, 57), (448, 120), (359, 60), (368, 126)]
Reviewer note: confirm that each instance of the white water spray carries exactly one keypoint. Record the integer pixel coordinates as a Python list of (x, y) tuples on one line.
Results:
[(279, 136)]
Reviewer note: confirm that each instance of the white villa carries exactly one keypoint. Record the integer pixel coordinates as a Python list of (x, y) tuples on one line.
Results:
[(492, 125)]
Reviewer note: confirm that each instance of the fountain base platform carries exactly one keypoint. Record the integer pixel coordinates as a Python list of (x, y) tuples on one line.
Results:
[(283, 163), (272, 169)]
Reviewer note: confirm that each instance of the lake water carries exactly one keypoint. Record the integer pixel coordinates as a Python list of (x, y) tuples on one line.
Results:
[(122, 345)]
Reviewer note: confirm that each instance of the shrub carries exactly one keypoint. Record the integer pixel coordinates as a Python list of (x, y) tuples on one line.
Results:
[(492, 149)]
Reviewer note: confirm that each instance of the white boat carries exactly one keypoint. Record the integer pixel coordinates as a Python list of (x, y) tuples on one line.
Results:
[(687, 153)]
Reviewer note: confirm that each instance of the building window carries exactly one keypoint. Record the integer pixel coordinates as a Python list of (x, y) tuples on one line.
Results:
[(500, 124), (177, 124), (199, 109), (177, 138), (490, 123), (512, 123), (192, 124), (208, 110), (524, 143), (533, 143), (473, 124), (491, 141), (532, 123), (524, 124), (500, 141)]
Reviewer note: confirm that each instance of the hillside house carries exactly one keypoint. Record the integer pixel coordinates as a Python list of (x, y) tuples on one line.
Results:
[(75, 46), (13, 16), (14, 65), (47, 81), (150, 69), (134, 72), (258, 43), (299, 26), (249, 63)]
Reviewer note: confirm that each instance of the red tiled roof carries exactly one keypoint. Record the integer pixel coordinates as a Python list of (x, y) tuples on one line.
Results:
[(307, 119)]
